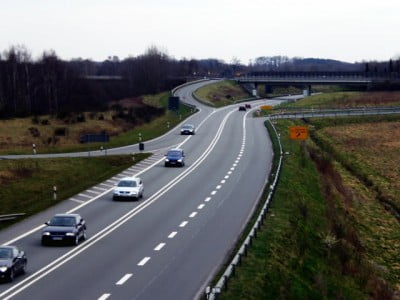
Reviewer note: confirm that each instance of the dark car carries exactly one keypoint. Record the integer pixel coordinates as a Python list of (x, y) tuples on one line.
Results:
[(247, 105), (242, 108), (70, 228), (175, 157), (188, 129), (12, 262)]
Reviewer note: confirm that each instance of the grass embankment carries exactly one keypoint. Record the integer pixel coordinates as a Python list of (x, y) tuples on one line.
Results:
[(221, 93), (340, 100), (328, 233), (18, 135), (26, 185)]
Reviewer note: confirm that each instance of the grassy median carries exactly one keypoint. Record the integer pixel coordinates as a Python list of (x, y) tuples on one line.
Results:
[(26, 185)]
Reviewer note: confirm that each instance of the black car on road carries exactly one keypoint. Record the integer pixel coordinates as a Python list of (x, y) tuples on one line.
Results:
[(70, 228), (242, 108), (12, 262)]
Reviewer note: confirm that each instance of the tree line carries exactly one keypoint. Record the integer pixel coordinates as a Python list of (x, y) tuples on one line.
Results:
[(50, 85)]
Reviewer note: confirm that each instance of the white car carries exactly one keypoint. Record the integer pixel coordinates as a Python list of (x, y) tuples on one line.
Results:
[(188, 129), (128, 188)]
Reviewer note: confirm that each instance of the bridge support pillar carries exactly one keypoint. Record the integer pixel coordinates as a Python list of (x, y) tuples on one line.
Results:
[(268, 89), (307, 91)]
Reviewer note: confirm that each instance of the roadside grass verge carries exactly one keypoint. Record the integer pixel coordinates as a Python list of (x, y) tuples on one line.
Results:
[(314, 244), (221, 93), (26, 185), (15, 136), (339, 100)]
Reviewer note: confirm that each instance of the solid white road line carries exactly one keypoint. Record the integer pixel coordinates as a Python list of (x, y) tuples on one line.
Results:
[(124, 279), (172, 234), (159, 247), (143, 261), (25, 283)]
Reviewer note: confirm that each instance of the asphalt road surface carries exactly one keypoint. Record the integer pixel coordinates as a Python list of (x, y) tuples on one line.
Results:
[(169, 244)]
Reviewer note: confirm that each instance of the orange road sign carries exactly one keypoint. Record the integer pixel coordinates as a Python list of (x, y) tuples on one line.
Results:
[(266, 107), (298, 132)]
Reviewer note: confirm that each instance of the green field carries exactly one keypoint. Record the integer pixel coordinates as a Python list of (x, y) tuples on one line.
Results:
[(327, 235), (16, 139), (221, 93)]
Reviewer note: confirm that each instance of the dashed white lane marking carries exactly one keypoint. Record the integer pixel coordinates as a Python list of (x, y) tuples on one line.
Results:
[(85, 196), (159, 247), (223, 181), (76, 200), (200, 206), (104, 297), (213, 193), (236, 161), (218, 187), (193, 214), (123, 279), (235, 165), (93, 192), (232, 169), (183, 224), (229, 172), (144, 261), (172, 234), (207, 199), (226, 177), (99, 188)]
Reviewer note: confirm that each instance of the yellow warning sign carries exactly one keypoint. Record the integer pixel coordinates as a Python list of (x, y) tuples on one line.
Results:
[(266, 107), (298, 132)]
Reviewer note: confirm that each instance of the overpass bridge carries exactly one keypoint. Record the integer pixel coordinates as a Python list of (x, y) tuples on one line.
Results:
[(307, 79)]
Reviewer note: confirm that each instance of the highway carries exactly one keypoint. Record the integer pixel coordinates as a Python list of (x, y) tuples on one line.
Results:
[(169, 244)]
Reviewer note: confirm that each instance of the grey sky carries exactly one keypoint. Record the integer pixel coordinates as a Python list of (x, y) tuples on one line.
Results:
[(344, 30)]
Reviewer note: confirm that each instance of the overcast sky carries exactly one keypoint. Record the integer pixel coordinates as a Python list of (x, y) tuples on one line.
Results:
[(346, 30)]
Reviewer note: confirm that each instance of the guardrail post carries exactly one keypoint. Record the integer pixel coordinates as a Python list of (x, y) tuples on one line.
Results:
[(225, 282), (233, 269)]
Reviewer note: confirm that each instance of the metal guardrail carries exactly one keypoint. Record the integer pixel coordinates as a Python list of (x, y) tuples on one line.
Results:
[(213, 293), (336, 112), (10, 216)]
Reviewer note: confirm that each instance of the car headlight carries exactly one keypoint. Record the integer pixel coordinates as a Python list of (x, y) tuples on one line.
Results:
[(70, 234), (3, 269), (180, 160), (46, 233), (167, 160)]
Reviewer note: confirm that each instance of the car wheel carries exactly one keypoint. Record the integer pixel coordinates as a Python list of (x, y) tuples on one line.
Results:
[(44, 243), (166, 165), (76, 240), (23, 268), (141, 195), (84, 236), (11, 276)]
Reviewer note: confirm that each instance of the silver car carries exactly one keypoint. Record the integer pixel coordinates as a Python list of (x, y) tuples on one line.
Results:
[(128, 188)]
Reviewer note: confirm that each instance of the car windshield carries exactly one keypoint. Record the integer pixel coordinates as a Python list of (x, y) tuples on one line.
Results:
[(127, 183), (62, 221), (5, 253), (174, 153)]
